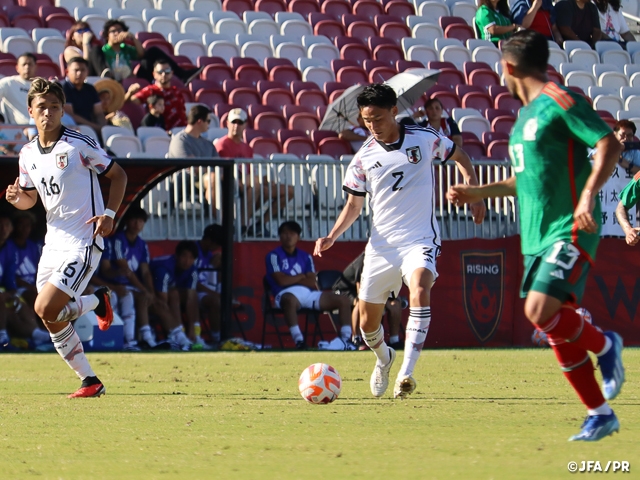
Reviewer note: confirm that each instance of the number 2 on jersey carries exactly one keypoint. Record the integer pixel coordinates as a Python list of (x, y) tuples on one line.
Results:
[(399, 176), (52, 188)]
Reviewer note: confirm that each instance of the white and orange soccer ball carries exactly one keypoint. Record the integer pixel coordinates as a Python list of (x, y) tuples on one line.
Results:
[(585, 314), (320, 383), (539, 339)]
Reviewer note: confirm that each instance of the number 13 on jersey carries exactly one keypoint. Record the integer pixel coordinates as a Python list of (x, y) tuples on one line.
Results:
[(517, 157)]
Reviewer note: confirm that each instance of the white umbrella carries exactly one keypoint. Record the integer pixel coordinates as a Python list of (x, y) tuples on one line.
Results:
[(343, 113)]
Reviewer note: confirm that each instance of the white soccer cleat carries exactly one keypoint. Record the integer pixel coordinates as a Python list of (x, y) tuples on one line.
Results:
[(380, 376), (404, 387)]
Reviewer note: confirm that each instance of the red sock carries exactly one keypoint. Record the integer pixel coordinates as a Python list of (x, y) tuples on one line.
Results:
[(578, 370), (568, 326)]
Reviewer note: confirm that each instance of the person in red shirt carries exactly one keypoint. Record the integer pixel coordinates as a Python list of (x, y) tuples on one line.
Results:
[(175, 114)]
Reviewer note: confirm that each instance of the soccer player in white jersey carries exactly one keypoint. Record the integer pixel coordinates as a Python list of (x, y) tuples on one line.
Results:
[(394, 167), (62, 167)]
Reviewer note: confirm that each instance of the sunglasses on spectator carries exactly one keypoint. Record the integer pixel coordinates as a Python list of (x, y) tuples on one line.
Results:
[(115, 31), (83, 30), (166, 70), (238, 122)]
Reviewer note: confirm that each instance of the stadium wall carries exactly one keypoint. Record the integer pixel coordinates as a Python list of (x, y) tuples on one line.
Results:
[(476, 297)]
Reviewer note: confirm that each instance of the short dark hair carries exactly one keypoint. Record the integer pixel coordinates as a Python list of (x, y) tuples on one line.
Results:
[(431, 101), (625, 124), (153, 99), (41, 86), (77, 60), (377, 95), (187, 246), (528, 50), (290, 225), (197, 112), (28, 55), (110, 23), (135, 212), (162, 61), (214, 233)]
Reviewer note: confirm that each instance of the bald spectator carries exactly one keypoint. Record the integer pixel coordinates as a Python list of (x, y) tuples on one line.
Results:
[(83, 102), (13, 90)]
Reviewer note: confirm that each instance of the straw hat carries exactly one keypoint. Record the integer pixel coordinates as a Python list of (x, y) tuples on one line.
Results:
[(115, 90)]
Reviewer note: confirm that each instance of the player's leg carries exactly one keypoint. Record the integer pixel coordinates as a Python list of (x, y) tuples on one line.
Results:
[(290, 305), (210, 308), (394, 317), (127, 311), (142, 303), (189, 305), (22, 323), (373, 336), (355, 323), (167, 307), (330, 301)]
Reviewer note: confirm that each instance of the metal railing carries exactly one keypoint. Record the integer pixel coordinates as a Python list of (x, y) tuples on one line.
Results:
[(284, 187)]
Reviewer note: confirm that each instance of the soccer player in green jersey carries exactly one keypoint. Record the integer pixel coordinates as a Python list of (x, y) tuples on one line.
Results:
[(560, 220), (629, 197)]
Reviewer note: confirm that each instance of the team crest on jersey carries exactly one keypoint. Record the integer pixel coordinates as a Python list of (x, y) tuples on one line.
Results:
[(62, 160), (530, 129), (483, 290), (414, 155)]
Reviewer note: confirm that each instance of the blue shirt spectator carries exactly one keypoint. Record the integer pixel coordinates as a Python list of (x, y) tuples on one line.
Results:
[(537, 15), (8, 267), (167, 274), (28, 259), (135, 253), (280, 261)]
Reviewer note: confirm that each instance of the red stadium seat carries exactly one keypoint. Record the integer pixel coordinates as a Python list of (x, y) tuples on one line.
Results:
[(271, 62), (304, 121), (449, 100), (163, 45), (401, 8), (304, 7), (144, 36), (335, 8), (450, 77), (4, 21), (502, 124), (350, 18), (468, 136), (297, 86), (343, 40), (395, 32), (244, 96), (13, 11), (318, 135), (380, 20), (335, 147), (265, 146), (135, 113), (254, 110), (328, 87), (48, 69), (495, 90), (444, 22), (498, 149), (249, 134), (7, 67), (222, 108), (381, 74), (477, 100), (492, 113), (277, 97), (237, 6), (229, 85), (210, 96), (437, 65), (474, 148), (460, 32), (388, 53), (269, 122), (355, 52), (35, 5), (270, 6), (321, 112), (555, 77), (60, 22), (251, 73), (300, 146), (505, 101), (604, 114), (285, 134), (45, 10), (484, 78), (488, 137), (369, 65), (329, 28), (196, 84), (469, 67), (311, 98), (27, 22), (204, 61), (237, 62), (369, 8), (264, 85), (352, 76), (462, 90), (290, 110), (337, 64), (335, 95), (363, 30), (402, 65), (284, 74)]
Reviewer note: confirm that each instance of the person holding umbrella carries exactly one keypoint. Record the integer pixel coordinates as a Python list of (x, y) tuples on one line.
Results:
[(445, 126)]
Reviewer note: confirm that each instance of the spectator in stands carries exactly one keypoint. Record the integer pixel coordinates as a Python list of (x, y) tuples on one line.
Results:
[(13, 90), (28, 254), (175, 278), (208, 263), (83, 103), (121, 47), (232, 144), (446, 126), (625, 131), (292, 279), (349, 285), (80, 40), (174, 110), (189, 143), (612, 23), (355, 134), (15, 315), (578, 20), (493, 20), (155, 116), (112, 98), (537, 15)]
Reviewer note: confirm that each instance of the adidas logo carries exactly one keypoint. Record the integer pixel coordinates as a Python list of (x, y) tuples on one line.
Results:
[(558, 274), (377, 165), (33, 167)]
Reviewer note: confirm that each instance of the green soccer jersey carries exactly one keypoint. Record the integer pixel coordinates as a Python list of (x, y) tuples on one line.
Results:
[(548, 149), (630, 195)]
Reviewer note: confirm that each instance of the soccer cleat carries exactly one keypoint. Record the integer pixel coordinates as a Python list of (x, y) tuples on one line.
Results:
[(380, 376), (103, 311), (300, 345), (596, 427), (88, 391), (404, 387), (611, 367)]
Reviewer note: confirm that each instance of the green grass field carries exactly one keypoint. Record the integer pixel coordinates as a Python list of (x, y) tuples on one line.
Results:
[(477, 414)]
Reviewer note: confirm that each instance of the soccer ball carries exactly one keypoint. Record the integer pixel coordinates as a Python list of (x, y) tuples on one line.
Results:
[(539, 339), (585, 314), (320, 383)]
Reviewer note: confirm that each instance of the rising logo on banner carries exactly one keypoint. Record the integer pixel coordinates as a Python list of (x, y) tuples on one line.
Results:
[(483, 291)]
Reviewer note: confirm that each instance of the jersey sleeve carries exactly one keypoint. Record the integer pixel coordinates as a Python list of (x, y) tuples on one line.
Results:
[(583, 122), (24, 180), (273, 265), (630, 194), (442, 149), (484, 19), (146, 258), (355, 180), (162, 278), (310, 266), (453, 126), (96, 159)]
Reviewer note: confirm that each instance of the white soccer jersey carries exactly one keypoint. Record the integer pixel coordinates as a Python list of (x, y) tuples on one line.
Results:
[(66, 178), (400, 182)]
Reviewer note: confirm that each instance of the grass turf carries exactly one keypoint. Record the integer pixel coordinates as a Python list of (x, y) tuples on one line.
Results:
[(476, 414)]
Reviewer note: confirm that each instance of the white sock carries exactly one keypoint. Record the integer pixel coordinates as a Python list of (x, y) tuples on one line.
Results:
[(603, 409), (345, 332), (375, 341), (607, 345), (296, 334), (75, 309), (127, 311), (40, 336), (417, 328), (145, 333), (178, 336), (70, 348), (394, 338)]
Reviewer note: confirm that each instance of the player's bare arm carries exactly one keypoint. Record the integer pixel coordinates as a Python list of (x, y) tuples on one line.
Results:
[(461, 193), (478, 209), (608, 151), (349, 214), (632, 235), (118, 178), (21, 199)]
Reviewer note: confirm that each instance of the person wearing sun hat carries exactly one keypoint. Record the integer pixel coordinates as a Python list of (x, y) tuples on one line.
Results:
[(112, 97)]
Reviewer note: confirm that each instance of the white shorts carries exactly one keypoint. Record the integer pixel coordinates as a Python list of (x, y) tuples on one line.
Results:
[(384, 271), (308, 298), (68, 270)]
